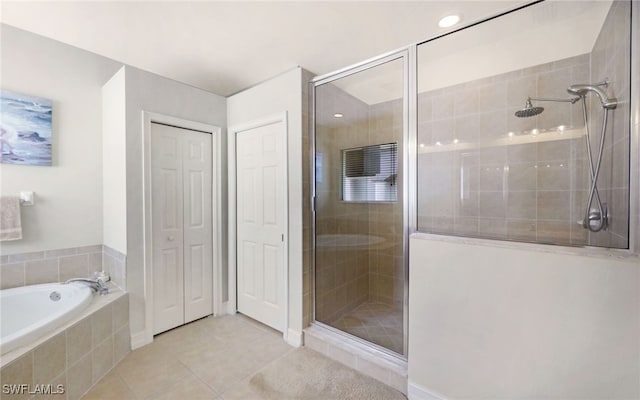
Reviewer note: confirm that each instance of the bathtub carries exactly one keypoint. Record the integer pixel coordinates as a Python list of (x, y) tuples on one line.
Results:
[(28, 312)]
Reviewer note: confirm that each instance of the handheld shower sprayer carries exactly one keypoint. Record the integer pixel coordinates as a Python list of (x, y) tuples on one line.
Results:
[(581, 90), (595, 219)]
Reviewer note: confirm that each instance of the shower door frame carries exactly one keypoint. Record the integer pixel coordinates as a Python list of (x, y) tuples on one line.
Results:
[(409, 129)]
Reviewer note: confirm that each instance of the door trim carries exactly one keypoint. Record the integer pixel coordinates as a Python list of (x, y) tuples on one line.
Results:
[(232, 303), (216, 214)]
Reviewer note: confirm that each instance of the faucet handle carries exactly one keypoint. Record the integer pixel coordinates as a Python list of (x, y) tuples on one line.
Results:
[(102, 275), (103, 289)]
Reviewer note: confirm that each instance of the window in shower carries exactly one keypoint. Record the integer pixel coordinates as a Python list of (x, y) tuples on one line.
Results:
[(511, 115), (359, 209), (369, 173)]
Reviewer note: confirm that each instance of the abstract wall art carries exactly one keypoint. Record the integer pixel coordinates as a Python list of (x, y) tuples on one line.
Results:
[(25, 129)]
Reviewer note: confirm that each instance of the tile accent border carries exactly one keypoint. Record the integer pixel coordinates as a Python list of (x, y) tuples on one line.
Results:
[(61, 264)]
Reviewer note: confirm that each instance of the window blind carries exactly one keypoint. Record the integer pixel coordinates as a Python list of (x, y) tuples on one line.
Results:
[(369, 173)]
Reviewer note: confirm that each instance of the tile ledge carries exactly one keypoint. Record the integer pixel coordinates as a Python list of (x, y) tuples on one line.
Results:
[(585, 251), (358, 349)]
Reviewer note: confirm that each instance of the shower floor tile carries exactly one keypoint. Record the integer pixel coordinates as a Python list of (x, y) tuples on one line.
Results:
[(378, 323)]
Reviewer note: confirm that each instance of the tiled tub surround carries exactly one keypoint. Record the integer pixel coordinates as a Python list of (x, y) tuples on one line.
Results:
[(76, 355), (354, 284), (61, 264), (484, 172), (115, 263)]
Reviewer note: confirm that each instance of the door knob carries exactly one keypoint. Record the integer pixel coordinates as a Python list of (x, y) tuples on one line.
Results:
[(170, 238)]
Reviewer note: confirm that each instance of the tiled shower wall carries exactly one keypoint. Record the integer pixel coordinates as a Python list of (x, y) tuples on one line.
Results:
[(342, 273), (348, 276), (386, 263), (475, 179), (484, 172), (61, 264), (610, 59)]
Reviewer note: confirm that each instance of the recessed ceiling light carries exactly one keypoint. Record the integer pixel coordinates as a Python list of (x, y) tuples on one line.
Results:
[(449, 20), (456, 141), (421, 144), (338, 115)]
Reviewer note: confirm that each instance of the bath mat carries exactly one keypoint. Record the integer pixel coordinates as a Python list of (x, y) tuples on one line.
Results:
[(306, 374)]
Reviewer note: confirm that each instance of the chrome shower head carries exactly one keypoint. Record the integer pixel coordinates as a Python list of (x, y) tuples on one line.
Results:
[(529, 110)]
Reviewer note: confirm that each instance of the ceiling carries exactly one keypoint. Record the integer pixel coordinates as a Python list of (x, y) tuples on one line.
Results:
[(513, 42), (225, 47)]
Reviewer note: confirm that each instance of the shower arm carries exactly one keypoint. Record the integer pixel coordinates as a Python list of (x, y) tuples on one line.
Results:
[(571, 100)]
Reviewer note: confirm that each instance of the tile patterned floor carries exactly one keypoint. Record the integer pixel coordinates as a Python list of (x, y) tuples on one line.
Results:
[(378, 323), (212, 358)]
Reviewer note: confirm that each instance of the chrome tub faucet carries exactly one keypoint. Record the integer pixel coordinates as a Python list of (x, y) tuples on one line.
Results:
[(97, 285)]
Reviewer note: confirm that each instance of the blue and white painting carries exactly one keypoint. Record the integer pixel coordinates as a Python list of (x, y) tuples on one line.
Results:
[(25, 129)]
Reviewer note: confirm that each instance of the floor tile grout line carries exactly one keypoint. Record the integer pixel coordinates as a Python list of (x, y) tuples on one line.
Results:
[(266, 364), (117, 375), (124, 383), (247, 377), (204, 341), (215, 392)]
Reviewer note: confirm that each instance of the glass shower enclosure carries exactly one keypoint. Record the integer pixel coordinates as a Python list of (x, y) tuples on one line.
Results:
[(503, 144), (360, 213)]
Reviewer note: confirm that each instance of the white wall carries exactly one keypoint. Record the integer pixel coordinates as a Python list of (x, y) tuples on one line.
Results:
[(282, 93), (490, 322), (114, 171), (148, 92), (68, 210)]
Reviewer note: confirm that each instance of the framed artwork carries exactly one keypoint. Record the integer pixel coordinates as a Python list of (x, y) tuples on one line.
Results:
[(25, 129)]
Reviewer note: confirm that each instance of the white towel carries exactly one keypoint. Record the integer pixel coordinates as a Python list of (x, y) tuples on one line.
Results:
[(10, 224)]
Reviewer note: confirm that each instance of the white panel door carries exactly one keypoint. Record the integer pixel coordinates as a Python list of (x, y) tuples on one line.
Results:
[(198, 237), (260, 186), (167, 228), (181, 209)]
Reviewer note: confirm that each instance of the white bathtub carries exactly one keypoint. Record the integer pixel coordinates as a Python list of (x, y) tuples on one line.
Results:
[(28, 312)]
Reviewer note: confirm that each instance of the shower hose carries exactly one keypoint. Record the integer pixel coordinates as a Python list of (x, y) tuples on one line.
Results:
[(600, 215)]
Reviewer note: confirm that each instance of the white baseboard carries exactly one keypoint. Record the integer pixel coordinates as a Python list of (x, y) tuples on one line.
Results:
[(417, 392), (294, 338), (140, 339)]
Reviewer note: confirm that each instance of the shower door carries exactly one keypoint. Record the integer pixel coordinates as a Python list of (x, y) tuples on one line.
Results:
[(360, 265)]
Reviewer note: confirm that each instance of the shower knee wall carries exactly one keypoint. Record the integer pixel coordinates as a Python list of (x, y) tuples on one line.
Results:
[(516, 311)]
